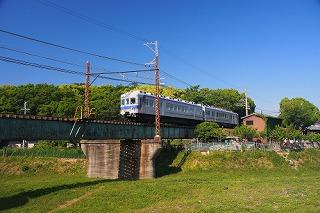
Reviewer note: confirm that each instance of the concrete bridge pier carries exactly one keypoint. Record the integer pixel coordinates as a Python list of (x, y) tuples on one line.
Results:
[(121, 159), (103, 158)]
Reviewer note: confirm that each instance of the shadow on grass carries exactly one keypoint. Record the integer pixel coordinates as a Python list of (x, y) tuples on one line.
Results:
[(166, 158), (23, 197)]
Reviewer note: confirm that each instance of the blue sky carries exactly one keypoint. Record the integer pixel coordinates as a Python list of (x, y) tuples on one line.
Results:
[(269, 47)]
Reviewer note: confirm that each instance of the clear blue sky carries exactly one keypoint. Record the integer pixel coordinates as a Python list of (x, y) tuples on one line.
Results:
[(270, 47)]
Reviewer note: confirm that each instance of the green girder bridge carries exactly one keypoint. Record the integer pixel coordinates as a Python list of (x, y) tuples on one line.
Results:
[(29, 127), (113, 149)]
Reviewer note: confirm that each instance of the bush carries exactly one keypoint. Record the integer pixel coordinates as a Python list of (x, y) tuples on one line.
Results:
[(25, 168), (313, 137), (281, 133), (244, 132), (208, 131)]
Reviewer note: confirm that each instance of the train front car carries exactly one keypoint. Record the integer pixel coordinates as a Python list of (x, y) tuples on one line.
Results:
[(129, 107), (223, 117)]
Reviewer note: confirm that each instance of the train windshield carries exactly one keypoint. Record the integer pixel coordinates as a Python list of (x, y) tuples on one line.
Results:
[(132, 100)]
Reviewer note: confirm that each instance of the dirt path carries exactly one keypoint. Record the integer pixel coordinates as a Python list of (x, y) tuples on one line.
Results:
[(69, 203)]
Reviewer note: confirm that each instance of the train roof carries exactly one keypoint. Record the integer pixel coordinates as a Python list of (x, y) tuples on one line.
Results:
[(174, 99)]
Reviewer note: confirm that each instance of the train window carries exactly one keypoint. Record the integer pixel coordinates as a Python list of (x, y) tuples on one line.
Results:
[(175, 108), (167, 106), (179, 108), (123, 102), (127, 101), (212, 113), (151, 103), (132, 100)]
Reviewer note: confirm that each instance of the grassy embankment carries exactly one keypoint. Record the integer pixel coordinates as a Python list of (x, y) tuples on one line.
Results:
[(221, 181)]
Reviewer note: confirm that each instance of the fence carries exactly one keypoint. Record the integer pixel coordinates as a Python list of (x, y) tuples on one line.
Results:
[(237, 146)]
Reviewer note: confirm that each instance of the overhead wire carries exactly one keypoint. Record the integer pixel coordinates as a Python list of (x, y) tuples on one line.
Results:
[(78, 65), (69, 48), (134, 36), (104, 25), (91, 20), (63, 70), (39, 56)]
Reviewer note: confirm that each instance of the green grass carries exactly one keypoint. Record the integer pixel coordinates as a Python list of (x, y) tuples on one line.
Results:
[(219, 182), (43, 152)]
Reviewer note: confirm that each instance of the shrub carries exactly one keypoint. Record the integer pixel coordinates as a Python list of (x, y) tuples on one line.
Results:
[(208, 131)]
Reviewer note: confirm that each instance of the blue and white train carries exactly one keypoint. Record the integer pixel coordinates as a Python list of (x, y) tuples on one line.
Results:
[(139, 105)]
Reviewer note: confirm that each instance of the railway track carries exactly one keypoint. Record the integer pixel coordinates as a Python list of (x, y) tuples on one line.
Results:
[(109, 121)]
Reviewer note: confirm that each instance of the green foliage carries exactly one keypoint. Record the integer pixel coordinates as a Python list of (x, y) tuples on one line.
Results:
[(229, 99), (62, 101), (178, 142), (309, 158), (281, 133), (208, 131), (245, 132), (298, 112), (313, 137), (224, 161), (25, 168), (43, 151)]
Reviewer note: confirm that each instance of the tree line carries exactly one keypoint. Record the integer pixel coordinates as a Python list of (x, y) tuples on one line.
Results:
[(62, 100), (296, 114)]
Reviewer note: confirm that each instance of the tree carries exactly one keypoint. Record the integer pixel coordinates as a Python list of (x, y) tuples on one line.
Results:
[(208, 131), (298, 112), (282, 133), (245, 132), (229, 99)]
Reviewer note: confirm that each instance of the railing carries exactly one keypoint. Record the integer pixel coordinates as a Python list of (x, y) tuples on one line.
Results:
[(238, 146)]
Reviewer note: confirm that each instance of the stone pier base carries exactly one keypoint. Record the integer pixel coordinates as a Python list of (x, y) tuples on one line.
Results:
[(103, 158), (121, 159), (149, 152)]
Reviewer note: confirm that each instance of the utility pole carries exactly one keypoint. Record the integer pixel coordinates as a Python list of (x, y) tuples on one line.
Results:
[(25, 110), (246, 102), (155, 63), (86, 107)]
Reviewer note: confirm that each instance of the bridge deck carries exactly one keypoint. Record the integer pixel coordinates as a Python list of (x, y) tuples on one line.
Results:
[(29, 127)]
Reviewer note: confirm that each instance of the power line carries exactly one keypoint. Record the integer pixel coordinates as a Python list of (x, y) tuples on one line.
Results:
[(91, 20), (270, 111), (175, 78), (48, 58), (104, 25), (134, 36), (58, 69), (70, 49), (39, 56), (128, 71), (77, 65), (187, 63)]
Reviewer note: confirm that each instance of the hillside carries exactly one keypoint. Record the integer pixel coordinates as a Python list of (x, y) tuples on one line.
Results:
[(218, 182)]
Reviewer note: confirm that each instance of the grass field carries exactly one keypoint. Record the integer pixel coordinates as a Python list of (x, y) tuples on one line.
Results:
[(219, 182)]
